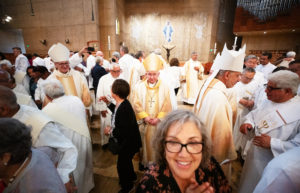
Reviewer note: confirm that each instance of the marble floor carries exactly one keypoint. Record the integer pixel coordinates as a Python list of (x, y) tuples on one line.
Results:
[(105, 172)]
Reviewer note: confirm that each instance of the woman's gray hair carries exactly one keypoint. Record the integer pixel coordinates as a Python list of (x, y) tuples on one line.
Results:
[(178, 118), (285, 79), (53, 88)]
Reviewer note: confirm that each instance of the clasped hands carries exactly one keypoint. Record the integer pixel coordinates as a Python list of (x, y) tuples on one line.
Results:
[(151, 121), (262, 141)]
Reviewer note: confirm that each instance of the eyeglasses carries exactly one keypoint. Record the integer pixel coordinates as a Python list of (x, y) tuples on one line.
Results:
[(176, 147), (116, 71), (270, 88)]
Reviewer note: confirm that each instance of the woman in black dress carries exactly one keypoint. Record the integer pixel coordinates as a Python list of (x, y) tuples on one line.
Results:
[(125, 129)]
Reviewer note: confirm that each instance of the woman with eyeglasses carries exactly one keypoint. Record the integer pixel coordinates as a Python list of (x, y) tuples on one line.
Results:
[(183, 163)]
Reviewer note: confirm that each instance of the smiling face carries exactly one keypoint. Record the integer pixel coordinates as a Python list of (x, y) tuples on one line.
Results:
[(274, 93), (183, 164), (62, 67)]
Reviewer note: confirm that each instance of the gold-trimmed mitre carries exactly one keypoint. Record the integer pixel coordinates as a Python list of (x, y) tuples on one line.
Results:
[(153, 63)]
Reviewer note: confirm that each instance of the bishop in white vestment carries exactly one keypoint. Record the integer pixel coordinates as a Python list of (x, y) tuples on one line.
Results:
[(74, 83), (216, 105), (151, 102)]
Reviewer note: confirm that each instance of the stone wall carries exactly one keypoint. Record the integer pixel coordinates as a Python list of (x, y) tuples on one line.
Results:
[(194, 23), (53, 21)]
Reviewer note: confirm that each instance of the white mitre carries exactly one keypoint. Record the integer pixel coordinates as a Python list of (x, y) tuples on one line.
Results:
[(232, 60), (59, 53), (228, 60)]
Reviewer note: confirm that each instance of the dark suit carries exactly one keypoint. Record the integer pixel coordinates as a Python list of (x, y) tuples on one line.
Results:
[(128, 135)]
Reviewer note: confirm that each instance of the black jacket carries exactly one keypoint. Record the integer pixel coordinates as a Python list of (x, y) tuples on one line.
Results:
[(126, 128)]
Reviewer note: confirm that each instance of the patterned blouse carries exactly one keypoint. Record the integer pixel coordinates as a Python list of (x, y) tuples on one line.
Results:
[(160, 179)]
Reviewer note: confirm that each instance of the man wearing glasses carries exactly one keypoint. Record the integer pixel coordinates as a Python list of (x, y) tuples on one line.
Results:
[(274, 126), (73, 82)]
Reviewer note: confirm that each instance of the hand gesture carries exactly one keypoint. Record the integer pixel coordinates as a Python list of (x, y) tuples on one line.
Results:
[(104, 99), (194, 187), (244, 128), (83, 50), (262, 141)]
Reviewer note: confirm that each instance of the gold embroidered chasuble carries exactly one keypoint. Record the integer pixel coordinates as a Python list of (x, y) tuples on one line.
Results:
[(153, 102)]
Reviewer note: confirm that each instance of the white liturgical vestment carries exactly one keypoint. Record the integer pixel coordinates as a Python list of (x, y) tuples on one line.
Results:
[(215, 111), (151, 101), (192, 84), (281, 121), (104, 89), (243, 91), (21, 63), (282, 174), (47, 133), (74, 84), (265, 69), (69, 111), (129, 71)]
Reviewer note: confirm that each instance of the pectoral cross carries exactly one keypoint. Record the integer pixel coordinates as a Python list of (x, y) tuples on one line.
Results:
[(151, 101)]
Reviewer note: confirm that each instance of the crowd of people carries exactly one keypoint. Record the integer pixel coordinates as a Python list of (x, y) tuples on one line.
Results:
[(246, 109)]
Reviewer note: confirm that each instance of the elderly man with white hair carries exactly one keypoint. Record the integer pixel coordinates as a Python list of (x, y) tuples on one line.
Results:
[(290, 57), (274, 126), (103, 97), (69, 111)]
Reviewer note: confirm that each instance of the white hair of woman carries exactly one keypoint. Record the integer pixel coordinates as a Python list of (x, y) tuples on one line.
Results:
[(285, 79), (53, 88), (291, 54)]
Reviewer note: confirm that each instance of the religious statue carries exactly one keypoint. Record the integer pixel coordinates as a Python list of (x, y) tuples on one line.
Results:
[(168, 48)]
